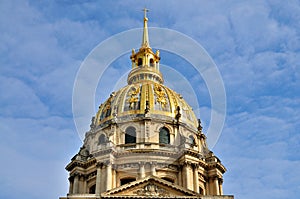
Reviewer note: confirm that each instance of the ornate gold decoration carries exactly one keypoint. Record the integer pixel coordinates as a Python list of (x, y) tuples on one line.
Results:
[(107, 107), (109, 101), (133, 96), (160, 94)]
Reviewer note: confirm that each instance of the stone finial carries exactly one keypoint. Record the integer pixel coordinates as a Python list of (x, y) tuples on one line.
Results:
[(92, 125), (199, 126)]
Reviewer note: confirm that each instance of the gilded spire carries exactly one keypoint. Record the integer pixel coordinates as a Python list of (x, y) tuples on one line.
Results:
[(145, 63), (145, 42)]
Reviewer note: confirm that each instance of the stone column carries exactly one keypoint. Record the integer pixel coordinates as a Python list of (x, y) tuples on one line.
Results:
[(75, 185), (199, 145), (184, 175), (176, 135), (71, 180), (98, 179), (180, 175), (114, 178), (80, 183), (142, 170), (187, 176), (153, 169), (84, 185), (196, 179), (211, 186), (108, 176), (221, 186), (207, 186), (216, 186)]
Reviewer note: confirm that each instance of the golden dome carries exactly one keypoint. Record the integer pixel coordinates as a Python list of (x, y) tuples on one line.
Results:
[(146, 99), (145, 95)]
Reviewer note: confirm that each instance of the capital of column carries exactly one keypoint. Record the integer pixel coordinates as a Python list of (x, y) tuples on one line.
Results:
[(76, 174), (221, 181), (195, 165), (71, 178), (107, 163), (99, 165), (215, 177), (187, 164)]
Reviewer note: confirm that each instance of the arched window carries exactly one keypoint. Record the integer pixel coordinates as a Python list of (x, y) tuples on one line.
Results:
[(151, 62), (92, 189), (164, 136), (130, 135), (126, 180), (140, 62), (192, 140), (102, 139)]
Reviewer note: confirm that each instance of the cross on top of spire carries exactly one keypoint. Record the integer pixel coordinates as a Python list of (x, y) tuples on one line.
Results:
[(145, 12), (145, 41)]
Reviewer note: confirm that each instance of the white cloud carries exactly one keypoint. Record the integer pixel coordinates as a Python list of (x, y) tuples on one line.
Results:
[(35, 152), (20, 100), (268, 178)]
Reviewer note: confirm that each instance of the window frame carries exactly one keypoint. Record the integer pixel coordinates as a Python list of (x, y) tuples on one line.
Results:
[(164, 134), (130, 136)]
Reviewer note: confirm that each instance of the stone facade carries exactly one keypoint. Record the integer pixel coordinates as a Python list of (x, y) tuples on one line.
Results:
[(145, 141)]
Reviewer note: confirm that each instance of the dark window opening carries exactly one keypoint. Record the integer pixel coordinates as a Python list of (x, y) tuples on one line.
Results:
[(92, 189), (192, 140), (151, 62), (164, 136), (201, 191), (140, 62), (102, 139), (108, 112), (168, 179), (126, 180), (130, 135)]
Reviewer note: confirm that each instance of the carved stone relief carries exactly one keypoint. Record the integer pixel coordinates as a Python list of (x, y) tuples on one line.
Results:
[(152, 190)]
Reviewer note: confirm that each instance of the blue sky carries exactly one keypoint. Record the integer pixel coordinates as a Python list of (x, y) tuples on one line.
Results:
[(255, 44)]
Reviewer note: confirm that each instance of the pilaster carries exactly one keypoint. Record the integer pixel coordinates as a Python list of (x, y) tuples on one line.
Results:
[(98, 178), (76, 183), (71, 181), (221, 186), (180, 175), (142, 172), (108, 176), (216, 186), (153, 169), (196, 178)]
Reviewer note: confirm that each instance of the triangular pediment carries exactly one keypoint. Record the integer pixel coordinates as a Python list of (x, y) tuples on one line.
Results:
[(150, 186)]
